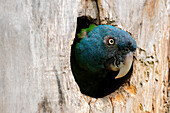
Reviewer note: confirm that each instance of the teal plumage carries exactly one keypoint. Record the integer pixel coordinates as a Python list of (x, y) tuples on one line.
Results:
[(100, 50), (84, 32)]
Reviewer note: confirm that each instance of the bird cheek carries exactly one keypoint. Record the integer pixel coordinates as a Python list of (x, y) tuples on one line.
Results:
[(125, 67)]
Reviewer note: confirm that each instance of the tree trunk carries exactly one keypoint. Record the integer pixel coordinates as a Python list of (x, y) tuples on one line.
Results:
[(35, 45)]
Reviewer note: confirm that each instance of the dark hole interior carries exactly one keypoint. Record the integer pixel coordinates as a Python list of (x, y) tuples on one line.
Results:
[(90, 84)]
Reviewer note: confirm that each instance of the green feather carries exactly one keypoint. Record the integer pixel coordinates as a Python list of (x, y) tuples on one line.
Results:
[(84, 32)]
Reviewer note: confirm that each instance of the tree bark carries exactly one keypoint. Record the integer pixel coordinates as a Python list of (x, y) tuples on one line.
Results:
[(35, 45)]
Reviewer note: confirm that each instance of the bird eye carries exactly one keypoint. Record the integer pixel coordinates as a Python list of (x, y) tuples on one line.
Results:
[(111, 41)]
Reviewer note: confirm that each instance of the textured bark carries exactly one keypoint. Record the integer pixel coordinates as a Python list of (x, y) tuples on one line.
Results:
[(35, 46), (168, 94)]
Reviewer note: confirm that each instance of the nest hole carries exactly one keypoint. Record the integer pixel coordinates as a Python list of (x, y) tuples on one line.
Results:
[(89, 85)]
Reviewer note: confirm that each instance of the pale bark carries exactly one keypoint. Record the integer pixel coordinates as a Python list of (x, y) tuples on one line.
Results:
[(35, 46)]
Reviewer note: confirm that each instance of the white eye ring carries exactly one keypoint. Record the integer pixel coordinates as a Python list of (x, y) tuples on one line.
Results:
[(111, 41)]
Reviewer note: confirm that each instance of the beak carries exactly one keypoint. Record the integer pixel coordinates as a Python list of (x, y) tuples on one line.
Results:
[(125, 66)]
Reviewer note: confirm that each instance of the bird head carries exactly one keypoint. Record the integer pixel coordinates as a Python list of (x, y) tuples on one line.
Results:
[(106, 48)]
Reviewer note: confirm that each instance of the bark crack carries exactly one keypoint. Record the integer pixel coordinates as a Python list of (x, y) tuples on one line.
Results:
[(90, 109), (61, 101), (98, 9), (110, 99)]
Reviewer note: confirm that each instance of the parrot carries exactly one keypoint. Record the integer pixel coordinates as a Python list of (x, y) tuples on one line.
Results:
[(101, 59)]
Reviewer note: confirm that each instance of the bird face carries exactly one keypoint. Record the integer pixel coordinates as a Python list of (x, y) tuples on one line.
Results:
[(106, 48), (122, 57)]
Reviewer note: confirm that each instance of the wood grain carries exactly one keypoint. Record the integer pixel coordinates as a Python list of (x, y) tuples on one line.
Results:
[(35, 46)]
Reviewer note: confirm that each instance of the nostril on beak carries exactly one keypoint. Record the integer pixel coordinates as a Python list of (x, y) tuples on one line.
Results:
[(132, 47)]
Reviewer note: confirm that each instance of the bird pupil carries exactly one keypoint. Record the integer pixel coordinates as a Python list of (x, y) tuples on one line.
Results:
[(111, 41)]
